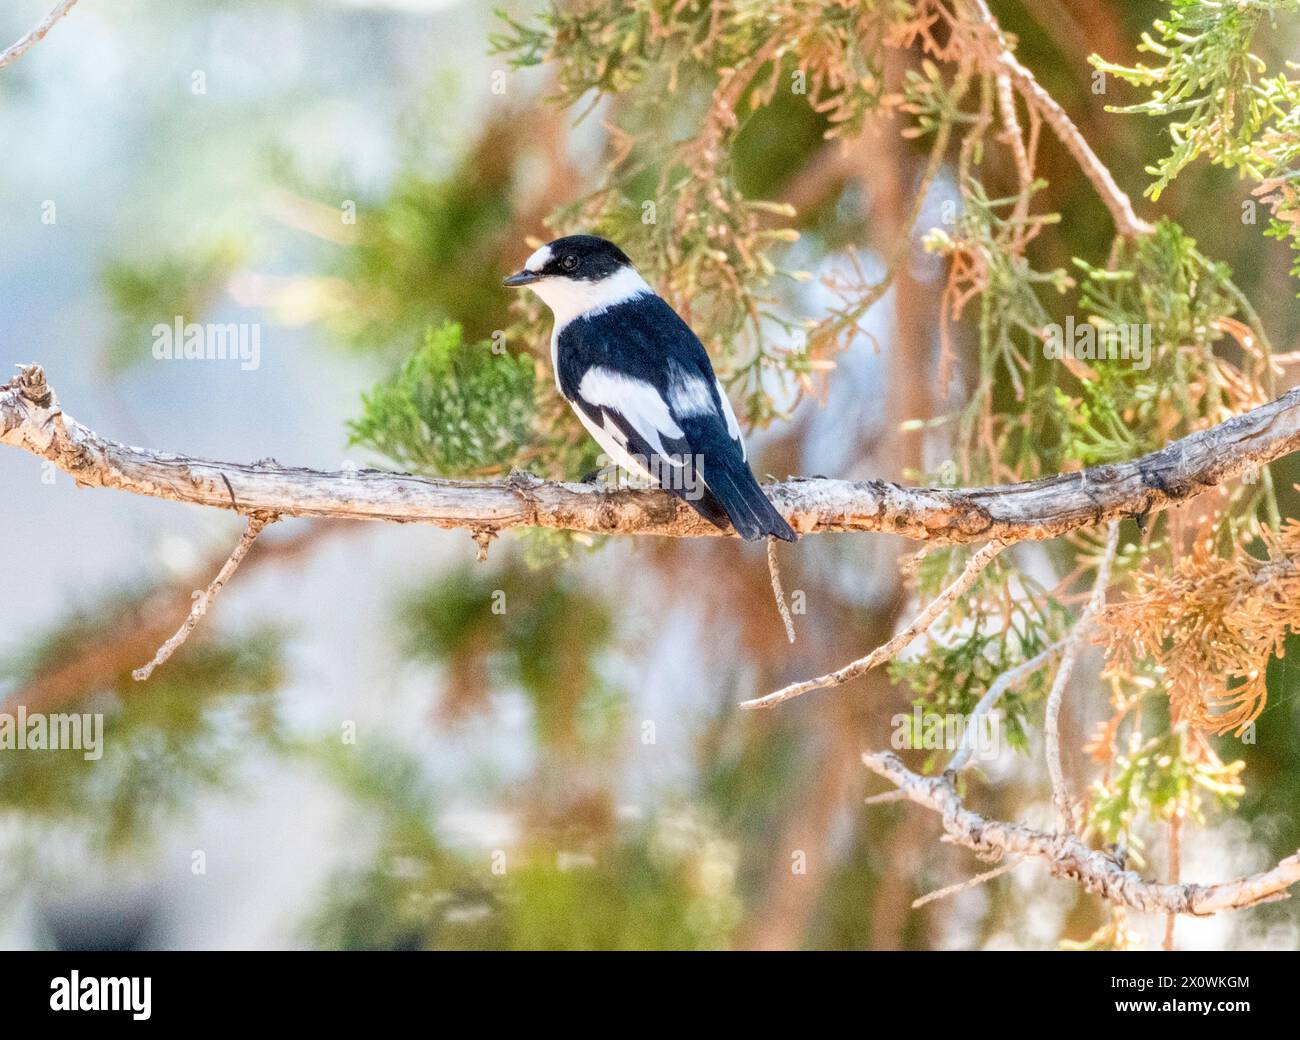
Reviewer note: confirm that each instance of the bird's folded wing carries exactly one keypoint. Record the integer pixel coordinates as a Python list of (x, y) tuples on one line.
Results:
[(691, 418), (633, 414)]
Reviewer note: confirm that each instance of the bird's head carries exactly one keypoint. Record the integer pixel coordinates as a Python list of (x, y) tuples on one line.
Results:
[(579, 274)]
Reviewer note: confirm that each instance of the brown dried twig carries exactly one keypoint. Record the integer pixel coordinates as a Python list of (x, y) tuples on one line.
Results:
[(206, 597)]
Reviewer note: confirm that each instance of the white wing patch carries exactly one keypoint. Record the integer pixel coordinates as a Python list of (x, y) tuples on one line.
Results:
[(733, 427), (636, 401), (688, 393), (611, 438)]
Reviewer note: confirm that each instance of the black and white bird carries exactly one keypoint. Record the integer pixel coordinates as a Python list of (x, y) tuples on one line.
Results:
[(641, 383)]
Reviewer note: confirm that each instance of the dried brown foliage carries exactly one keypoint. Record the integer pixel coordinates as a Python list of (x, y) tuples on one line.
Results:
[(1210, 625)]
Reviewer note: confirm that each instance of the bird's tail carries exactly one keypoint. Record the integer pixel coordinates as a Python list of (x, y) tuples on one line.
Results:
[(751, 513)]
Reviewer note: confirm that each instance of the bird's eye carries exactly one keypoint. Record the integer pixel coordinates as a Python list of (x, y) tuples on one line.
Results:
[(569, 262)]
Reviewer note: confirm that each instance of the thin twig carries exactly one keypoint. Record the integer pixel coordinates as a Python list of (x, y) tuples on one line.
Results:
[(1051, 725), (1127, 222), (145, 623), (962, 758), (1175, 870), (922, 622), (777, 591), (204, 599), (12, 54), (962, 886), (1012, 133)]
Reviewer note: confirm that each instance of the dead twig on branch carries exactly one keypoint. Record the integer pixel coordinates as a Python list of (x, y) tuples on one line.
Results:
[(779, 593), (962, 886), (962, 757), (138, 627), (206, 597), (889, 650), (1073, 643)]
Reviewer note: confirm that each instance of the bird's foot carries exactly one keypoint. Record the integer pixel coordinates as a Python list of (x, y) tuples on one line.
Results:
[(606, 476)]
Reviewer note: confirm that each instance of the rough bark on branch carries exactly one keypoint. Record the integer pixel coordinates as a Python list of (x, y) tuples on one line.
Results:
[(1068, 857), (30, 419)]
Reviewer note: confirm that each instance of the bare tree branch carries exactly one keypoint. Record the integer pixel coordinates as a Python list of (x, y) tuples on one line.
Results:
[(30, 419), (1068, 857), (12, 54)]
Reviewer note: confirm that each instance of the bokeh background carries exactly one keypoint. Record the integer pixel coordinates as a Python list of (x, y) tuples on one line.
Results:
[(356, 750)]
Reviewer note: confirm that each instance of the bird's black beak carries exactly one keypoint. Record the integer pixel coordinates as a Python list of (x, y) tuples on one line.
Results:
[(522, 278)]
